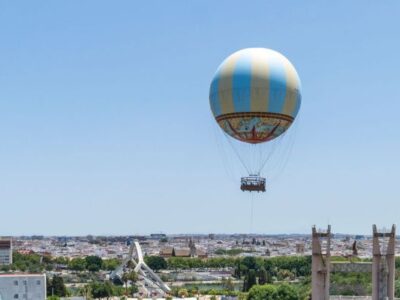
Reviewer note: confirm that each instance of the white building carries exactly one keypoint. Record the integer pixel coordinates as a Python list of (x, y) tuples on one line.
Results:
[(5, 252), (22, 286)]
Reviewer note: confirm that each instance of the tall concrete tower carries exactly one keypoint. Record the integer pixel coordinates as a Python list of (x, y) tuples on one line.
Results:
[(383, 264), (321, 263)]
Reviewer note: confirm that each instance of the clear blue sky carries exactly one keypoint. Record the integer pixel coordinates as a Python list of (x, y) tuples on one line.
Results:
[(106, 127)]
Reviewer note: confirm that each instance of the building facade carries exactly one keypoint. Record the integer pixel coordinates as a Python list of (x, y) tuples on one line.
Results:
[(22, 286), (5, 252)]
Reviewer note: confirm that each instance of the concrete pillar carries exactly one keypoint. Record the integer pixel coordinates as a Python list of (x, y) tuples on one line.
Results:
[(383, 264), (320, 268)]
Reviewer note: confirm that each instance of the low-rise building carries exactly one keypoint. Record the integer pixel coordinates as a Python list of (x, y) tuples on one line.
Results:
[(167, 252), (182, 252), (23, 286), (5, 252)]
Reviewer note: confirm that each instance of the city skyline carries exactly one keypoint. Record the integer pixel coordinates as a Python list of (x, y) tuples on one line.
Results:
[(107, 129)]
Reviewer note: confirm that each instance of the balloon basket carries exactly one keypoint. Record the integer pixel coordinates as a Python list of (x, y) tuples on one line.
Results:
[(253, 183)]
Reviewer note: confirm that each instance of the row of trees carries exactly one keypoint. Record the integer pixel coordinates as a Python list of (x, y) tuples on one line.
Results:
[(35, 263), (262, 271), (106, 289), (283, 291), (275, 292), (56, 288), (298, 265), (92, 263)]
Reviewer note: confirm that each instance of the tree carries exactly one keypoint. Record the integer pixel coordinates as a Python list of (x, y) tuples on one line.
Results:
[(249, 280), (263, 292), (262, 276), (57, 287), (132, 276), (101, 290), (285, 275), (93, 263), (227, 284), (85, 291), (93, 268), (287, 292), (238, 272), (125, 280), (61, 260), (183, 293), (156, 263), (249, 262), (129, 276), (5, 268), (77, 264), (397, 285), (110, 264)]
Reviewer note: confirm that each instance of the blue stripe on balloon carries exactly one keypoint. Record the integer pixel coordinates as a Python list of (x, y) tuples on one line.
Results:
[(241, 84), (214, 96), (277, 86)]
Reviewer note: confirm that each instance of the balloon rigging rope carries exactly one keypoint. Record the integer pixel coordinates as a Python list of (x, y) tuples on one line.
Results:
[(276, 144), (264, 162), (227, 156), (286, 153), (237, 154)]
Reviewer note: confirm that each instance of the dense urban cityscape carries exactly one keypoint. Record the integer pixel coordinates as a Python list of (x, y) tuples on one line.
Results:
[(209, 266), (207, 245)]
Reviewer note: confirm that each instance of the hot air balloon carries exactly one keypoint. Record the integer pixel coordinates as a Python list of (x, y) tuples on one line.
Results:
[(255, 97)]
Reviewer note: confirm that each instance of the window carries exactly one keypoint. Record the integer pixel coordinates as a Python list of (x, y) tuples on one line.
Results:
[(15, 282), (16, 296), (38, 282), (25, 282)]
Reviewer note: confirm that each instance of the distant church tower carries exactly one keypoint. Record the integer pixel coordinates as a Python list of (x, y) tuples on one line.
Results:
[(192, 248), (355, 249)]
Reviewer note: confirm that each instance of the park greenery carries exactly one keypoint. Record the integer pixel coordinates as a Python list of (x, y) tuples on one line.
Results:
[(286, 277), (35, 263)]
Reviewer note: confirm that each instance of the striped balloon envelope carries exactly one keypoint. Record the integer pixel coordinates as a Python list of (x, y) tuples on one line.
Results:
[(255, 95)]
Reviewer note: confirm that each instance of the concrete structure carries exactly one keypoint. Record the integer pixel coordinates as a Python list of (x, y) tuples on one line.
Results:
[(5, 252), (382, 267), (320, 268), (383, 264), (23, 286)]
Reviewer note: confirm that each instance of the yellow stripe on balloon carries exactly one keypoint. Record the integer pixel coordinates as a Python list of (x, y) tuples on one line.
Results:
[(225, 84), (259, 82), (292, 88)]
